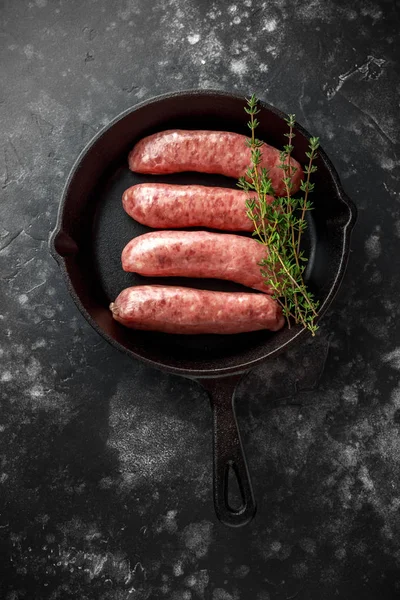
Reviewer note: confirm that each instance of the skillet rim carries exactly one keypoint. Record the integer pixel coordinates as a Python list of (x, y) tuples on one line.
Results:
[(297, 332)]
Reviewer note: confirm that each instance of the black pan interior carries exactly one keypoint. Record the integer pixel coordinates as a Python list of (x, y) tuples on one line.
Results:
[(93, 229)]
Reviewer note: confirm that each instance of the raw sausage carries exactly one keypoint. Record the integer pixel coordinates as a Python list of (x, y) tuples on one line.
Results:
[(165, 206), (196, 254), (184, 310), (222, 152)]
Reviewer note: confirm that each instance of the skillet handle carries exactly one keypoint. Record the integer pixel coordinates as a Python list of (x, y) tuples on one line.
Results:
[(228, 454)]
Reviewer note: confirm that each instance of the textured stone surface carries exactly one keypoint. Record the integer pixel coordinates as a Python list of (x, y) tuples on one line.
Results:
[(105, 465)]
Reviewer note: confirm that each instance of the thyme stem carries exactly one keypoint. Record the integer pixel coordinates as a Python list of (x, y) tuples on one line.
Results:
[(280, 223)]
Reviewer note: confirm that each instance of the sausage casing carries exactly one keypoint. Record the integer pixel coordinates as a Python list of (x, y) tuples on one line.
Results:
[(199, 254), (166, 206), (221, 152), (183, 310)]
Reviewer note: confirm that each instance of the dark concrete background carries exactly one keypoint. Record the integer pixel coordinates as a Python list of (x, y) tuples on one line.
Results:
[(105, 466)]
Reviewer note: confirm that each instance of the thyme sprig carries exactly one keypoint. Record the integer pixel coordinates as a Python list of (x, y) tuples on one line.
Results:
[(280, 221)]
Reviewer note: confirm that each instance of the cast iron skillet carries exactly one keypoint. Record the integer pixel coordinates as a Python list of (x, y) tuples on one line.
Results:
[(92, 229)]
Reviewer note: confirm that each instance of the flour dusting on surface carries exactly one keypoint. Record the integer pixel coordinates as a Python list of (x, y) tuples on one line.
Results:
[(146, 445), (393, 358), (117, 456), (239, 67), (388, 163), (270, 25), (197, 537), (373, 246), (194, 38)]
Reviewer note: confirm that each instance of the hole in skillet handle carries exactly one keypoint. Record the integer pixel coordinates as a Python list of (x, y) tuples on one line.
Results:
[(229, 462), (234, 493)]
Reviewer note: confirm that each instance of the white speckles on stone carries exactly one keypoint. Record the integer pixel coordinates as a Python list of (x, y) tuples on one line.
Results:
[(31, 53), (6, 376), (340, 553), (232, 9), (393, 358), (276, 546), (33, 369), (316, 9), (395, 397), (36, 391), (237, 48), (372, 11), (190, 581), (169, 521), (123, 44), (48, 312), (395, 504), (54, 114), (132, 8), (239, 66), (376, 326), (237, 20), (23, 299), (348, 456), (299, 570), (263, 596), (148, 444), (197, 537), (221, 594), (388, 441), (242, 571), (351, 14), (178, 569), (373, 246), (209, 50), (198, 582), (141, 93), (365, 478), (388, 163), (345, 490), (350, 395), (272, 50), (270, 25), (28, 51), (308, 545), (193, 39), (111, 26), (390, 190), (263, 68)]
